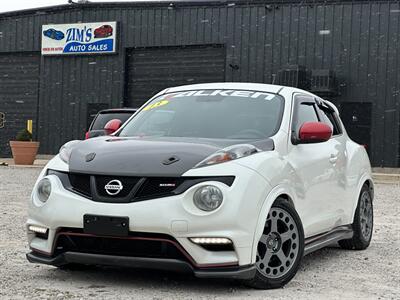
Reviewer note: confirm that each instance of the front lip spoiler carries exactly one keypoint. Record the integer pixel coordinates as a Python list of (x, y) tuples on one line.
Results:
[(243, 272)]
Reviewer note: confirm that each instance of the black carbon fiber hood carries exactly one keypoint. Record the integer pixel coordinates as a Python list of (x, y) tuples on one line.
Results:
[(143, 157), (138, 157)]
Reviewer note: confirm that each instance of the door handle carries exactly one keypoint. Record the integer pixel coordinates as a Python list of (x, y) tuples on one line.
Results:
[(333, 159)]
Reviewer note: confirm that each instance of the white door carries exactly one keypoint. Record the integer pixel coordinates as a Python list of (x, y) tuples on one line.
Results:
[(338, 158), (316, 183)]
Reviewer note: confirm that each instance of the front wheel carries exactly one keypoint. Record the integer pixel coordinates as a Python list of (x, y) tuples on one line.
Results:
[(280, 248), (362, 224)]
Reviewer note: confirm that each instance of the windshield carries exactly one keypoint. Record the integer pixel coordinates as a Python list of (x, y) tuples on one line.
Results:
[(211, 114)]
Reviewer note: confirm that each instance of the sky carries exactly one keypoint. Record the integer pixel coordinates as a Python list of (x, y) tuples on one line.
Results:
[(11, 5)]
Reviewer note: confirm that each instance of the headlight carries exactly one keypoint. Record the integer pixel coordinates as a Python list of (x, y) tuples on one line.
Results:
[(66, 149), (208, 198), (44, 189), (228, 154)]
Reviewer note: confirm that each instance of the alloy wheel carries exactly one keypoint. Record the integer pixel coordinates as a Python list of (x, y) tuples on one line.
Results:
[(366, 217), (278, 247)]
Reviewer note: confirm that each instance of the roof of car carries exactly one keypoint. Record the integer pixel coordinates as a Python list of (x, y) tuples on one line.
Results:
[(118, 110)]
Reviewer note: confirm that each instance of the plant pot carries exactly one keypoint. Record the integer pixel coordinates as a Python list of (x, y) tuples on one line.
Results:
[(24, 153)]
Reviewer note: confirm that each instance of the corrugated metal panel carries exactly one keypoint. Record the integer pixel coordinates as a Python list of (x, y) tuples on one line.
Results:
[(153, 69), (68, 84), (359, 40), (19, 77)]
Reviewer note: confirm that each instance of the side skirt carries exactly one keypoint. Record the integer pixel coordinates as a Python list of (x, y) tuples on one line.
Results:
[(328, 238)]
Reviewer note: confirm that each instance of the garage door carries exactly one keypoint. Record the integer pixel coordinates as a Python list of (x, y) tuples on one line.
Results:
[(19, 78), (153, 69)]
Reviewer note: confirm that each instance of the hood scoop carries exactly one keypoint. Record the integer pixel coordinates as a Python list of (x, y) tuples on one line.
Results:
[(170, 160)]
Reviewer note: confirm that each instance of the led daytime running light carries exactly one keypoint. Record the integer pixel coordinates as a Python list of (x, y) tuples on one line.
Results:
[(37, 229), (210, 241)]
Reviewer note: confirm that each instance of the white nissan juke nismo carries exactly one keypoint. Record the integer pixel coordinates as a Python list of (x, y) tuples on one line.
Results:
[(225, 180)]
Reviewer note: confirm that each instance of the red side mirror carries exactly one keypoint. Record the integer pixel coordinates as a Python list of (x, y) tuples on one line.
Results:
[(314, 132), (112, 126)]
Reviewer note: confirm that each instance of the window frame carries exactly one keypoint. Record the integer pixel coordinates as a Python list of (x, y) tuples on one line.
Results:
[(325, 108), (297, 101)]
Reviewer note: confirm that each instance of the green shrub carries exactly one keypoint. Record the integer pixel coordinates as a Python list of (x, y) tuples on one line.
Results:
[(24, 136)]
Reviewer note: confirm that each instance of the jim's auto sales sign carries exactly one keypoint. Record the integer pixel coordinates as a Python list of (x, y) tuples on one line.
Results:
[(79, 38)]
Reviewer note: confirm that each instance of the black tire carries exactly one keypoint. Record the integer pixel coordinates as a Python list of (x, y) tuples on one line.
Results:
[(274, 241), (362, 236)]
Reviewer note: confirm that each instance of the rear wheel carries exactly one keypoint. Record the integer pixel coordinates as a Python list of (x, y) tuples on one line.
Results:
[(362, 224), (280, 248)]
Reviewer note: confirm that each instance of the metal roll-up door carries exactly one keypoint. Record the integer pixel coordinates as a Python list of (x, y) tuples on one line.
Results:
[(19, 78), (151, 70)]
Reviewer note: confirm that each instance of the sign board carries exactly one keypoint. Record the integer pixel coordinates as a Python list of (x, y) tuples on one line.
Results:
[(79, 38)]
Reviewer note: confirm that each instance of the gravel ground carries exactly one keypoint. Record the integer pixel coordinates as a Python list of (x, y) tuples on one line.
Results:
[(329, 273)]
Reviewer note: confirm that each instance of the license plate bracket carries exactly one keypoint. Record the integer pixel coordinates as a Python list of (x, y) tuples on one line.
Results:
[(106, 225)]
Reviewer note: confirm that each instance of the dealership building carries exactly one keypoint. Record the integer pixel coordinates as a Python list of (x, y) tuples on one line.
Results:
[(60, 65)]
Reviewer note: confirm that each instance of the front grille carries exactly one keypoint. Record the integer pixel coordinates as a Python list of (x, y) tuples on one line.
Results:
[(134, 188), (80, 183), (135, 245), (156, 187)]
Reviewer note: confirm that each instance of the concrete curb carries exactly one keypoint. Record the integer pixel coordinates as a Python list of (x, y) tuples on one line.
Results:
[(386, 170), (39, 163), (386, 178), (25, 166)]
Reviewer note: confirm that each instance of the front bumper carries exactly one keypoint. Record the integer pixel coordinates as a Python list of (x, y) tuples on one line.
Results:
[(175, 216), (244, 272)]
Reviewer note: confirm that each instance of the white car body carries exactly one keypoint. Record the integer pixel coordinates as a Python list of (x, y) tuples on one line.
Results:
[(322, 181)]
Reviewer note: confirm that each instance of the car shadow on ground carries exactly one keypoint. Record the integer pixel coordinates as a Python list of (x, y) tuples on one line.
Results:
[(313, 261), (97, 277)]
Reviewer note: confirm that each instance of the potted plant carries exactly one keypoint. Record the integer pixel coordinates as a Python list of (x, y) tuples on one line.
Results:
[(23, 149)]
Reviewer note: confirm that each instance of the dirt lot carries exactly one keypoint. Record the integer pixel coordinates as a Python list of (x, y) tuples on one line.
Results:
[(330, 273)]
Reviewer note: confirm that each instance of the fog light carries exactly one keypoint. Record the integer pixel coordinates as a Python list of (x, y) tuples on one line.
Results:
[(208, 198), (37, 229), (211, 241), (44, 189)]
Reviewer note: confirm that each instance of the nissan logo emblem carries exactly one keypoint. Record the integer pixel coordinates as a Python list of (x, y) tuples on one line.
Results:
[(113, 187)]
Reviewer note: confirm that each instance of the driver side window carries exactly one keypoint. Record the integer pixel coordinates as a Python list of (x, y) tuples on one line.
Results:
[(304, 111)]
